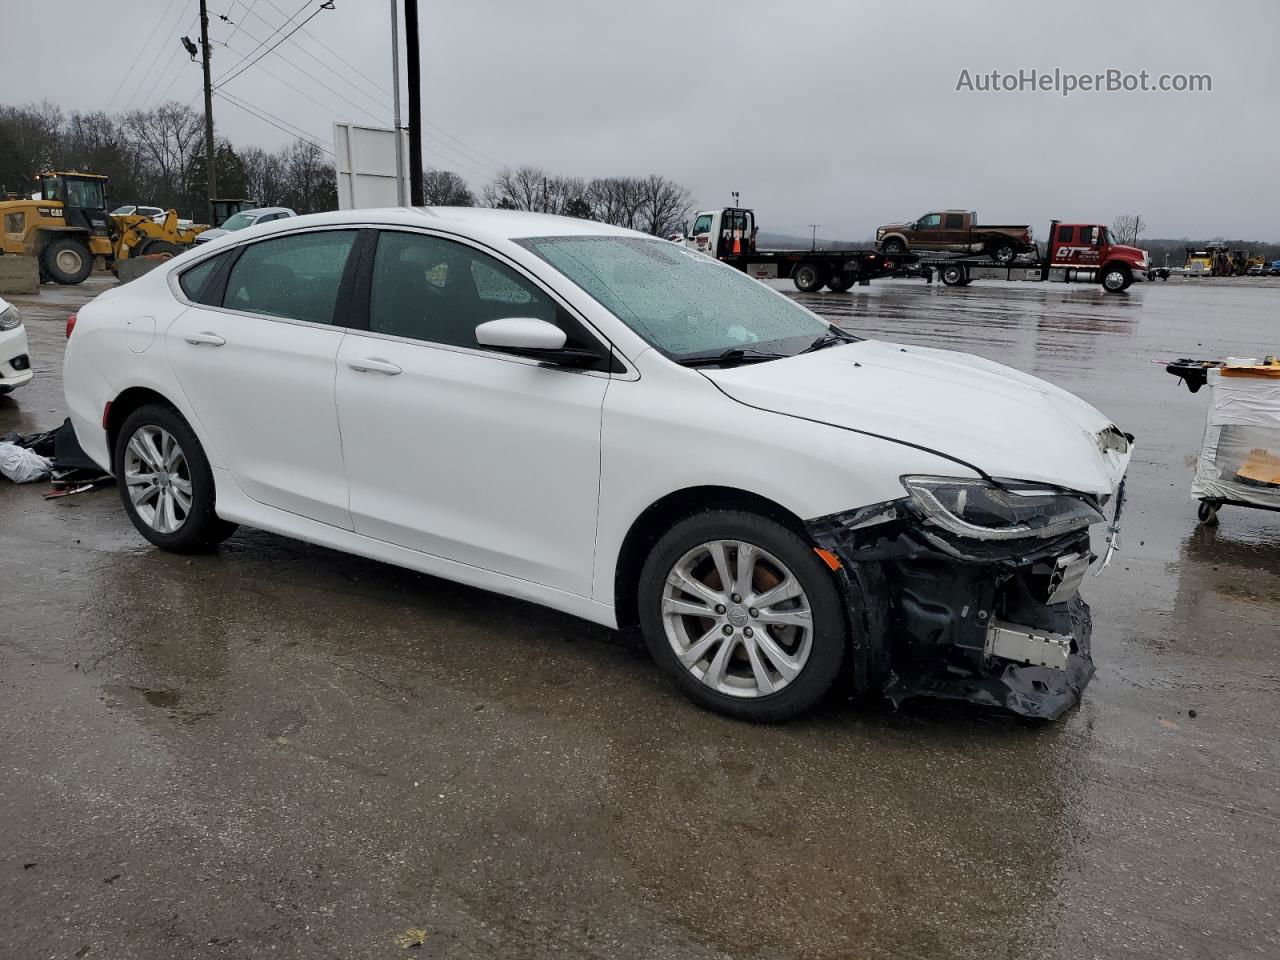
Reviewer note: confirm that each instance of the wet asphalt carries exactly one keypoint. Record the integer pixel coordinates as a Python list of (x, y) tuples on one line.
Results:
[(277, 750)]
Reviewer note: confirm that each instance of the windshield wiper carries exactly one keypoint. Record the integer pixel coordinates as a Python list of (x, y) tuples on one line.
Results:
[(830, 339), (731, 358)]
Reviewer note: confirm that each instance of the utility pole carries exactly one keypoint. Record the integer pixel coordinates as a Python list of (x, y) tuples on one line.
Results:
[(402, 196), (415, 101), (208, 110), (813, 244)]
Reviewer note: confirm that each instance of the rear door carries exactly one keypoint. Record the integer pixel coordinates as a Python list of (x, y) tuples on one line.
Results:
[(256, 361), (954, 235), (457, 451)]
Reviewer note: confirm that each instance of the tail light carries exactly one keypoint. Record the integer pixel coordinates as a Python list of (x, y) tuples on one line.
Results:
[(71, 325)]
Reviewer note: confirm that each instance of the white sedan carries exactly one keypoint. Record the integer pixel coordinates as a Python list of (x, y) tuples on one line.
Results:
[(15, 358), (604, 423)]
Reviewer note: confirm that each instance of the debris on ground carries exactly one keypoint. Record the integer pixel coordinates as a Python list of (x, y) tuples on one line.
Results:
[(54, 454)]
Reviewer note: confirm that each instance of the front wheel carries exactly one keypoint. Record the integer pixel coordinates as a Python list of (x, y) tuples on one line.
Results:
[(1115, 278), (741, 612), (808, 278), (165, 481), (893, 246)]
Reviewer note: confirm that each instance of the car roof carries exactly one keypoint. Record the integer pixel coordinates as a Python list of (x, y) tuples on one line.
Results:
[(260, 210), (479, 222)]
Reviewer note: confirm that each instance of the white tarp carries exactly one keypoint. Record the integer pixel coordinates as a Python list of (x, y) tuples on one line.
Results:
[(1240, 456), (366, 166)]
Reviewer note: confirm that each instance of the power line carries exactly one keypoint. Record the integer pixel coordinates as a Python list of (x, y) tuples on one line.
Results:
[(165, 69), (377, 87), (144, 56), (263, 43), (317, 80), (328, 5), (271, 119)]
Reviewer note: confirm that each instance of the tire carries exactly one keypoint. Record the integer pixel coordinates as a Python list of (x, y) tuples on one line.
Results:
[(67, 261), (1207, 512), (809, 278), (1002, 252), (155, 247), (737, 675), (1116, 277), (839, 283), (893, 246), (954, 275), (187, 477)]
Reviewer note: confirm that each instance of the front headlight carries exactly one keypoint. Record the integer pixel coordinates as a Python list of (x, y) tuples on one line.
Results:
[(984, 511), (10, 319)]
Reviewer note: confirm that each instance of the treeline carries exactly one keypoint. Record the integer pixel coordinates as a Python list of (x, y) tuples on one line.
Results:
[(157, 157)]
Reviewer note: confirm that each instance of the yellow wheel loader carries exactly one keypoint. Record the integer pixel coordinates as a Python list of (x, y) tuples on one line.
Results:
[(65, 225)]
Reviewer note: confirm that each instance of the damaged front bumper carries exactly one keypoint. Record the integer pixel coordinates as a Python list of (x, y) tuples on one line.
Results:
[(932, 614)]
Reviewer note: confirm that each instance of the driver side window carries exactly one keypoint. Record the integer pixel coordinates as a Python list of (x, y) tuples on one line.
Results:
[(436, 290), (702, 224)]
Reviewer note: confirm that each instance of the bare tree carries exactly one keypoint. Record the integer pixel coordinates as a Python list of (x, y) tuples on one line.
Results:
[(310, 182), (520, 189), (264, 176), (616, 200), (30, 143), (444, 188), (168, 137), (1127, 228), (666, 206)]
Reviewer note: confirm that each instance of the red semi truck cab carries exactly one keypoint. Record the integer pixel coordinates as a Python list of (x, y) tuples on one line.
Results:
[(1089, 246)]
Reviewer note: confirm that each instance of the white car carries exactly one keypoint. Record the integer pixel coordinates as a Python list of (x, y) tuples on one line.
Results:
[(15, 358), (243, 220), (604, 423)]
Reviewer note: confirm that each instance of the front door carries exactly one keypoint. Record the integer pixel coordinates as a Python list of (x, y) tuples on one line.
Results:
[(459, 452), (257, 368)]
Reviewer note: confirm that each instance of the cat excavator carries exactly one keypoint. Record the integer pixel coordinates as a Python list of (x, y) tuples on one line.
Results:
[(64, 224)]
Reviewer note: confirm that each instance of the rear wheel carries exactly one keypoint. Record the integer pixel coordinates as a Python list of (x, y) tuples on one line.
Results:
[(67, 261), (840, 283), (808, 278), (740, 611), (1207, 512), (165, 481), (954, 275), (1002, 252)]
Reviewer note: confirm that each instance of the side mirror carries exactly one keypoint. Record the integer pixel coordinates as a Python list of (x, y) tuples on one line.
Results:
[(538, 340), (520, 334)]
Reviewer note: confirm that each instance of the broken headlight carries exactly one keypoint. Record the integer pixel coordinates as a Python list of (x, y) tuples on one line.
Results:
[(9, 318), (985, 511)]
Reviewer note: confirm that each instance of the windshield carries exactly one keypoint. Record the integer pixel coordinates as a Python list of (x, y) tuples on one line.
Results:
[(684, 303), (87, 194), (238, 222)]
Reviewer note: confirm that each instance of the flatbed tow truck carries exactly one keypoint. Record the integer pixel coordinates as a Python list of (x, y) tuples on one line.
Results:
[(1078, 253), (729, 235)]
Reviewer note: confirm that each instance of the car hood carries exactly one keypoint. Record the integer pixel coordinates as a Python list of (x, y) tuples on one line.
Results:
[(1006, 423), (204, 236)]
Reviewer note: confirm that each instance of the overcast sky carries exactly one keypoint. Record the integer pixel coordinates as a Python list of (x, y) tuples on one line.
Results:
[(839, 113)]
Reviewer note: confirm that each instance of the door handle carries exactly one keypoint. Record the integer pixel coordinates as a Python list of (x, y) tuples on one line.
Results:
[(196, 339), (371, 365)]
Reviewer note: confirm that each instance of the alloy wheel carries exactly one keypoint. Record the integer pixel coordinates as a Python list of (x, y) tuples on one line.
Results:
[(737, 618), (158, 479)]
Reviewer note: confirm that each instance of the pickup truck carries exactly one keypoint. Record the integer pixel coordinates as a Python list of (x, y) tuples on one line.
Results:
[(956, 231)]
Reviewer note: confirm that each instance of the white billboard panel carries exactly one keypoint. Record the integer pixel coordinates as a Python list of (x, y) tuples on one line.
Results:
[(366, 166)]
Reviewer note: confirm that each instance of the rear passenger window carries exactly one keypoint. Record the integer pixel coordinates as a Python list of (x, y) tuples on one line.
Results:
[(193, 281), (432, 289), (955, 221), (296, 277)]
